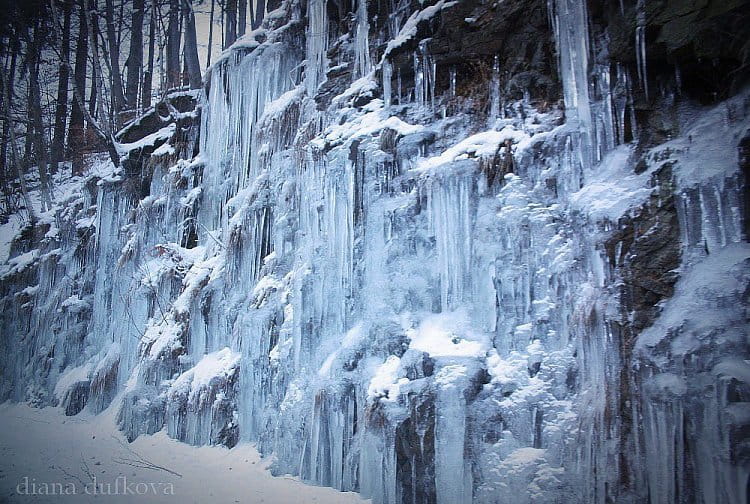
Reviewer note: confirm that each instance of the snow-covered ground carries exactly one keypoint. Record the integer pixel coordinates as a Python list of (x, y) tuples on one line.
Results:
[(47, 457)]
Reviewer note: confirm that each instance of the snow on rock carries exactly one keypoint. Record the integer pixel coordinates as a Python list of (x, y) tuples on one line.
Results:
[(213, 369), (448, 335), (702, 300), (385, 383), (481, 145), (612, 188), (19, 263), (70, 378), (409, 30), (162, 134)]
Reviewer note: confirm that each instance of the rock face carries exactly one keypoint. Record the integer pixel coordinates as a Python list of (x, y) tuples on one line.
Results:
[(433, 252)]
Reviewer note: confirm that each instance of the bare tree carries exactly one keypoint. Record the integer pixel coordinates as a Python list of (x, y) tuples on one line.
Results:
[(61, 109), (148, 75), (20, 169), (242, 17), (76, 126), (210, 32), (10, 141), (104, 134), (118, 99), (257, 11), (135, 57), (95, 77), (191, 46), (34, 44), (173, 45), (230, 26)]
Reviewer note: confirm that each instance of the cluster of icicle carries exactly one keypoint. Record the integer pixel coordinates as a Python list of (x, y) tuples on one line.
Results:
[(373, 302)]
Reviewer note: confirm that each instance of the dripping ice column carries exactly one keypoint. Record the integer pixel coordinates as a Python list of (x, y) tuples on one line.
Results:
[(452, 476), (494, 90), (640, 44), (362, 47), (570, 23), (317, 45), (387, 76), (451, 221)]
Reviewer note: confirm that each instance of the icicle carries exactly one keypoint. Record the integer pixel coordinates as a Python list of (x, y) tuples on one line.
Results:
[(572, 37), (418, 81), (424, 78), (495, 91), (317, 45), (398, 85), (451, 221), (452, 86), (640, 45), (606, 138), (362, 45), (387, 77), (452, 476)]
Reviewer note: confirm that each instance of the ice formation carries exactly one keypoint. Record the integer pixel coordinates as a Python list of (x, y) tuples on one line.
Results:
[(394, 298)]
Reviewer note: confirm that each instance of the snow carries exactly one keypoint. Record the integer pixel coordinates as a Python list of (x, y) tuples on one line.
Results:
[(368, 125), (279, 105), (47, 447), (19, 263), (8, 232), (213, 368), (75, 304), (448, 335), (164, 149), (480, 145), (385, 384), (699, 295), (409, 30), (612, 189), (363, 86), (352, 338), (70, 378), (164, 133), (707, 148), (246, 42)]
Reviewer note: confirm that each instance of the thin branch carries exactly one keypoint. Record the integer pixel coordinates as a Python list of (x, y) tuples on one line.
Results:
[(140, 461)]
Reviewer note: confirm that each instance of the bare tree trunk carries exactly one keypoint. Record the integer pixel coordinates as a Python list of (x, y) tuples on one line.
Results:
[(40, 146), (191, 47), (184, 77), (173, 45), (257, 11), (118, 99), (231, 23), (20, 171), (61, 109), (76, 139), (148, 75), (7, 110), (210, 33), (242, 17), (135, 57), (95, 52), (28, 147)]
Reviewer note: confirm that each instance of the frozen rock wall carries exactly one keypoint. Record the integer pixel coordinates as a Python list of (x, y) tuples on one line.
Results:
[(427, 251)]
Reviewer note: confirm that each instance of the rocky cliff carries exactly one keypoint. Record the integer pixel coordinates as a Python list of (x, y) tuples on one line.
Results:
[(430, 251)]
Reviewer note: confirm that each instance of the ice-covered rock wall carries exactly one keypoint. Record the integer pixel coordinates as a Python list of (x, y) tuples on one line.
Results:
[(426, 251)]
